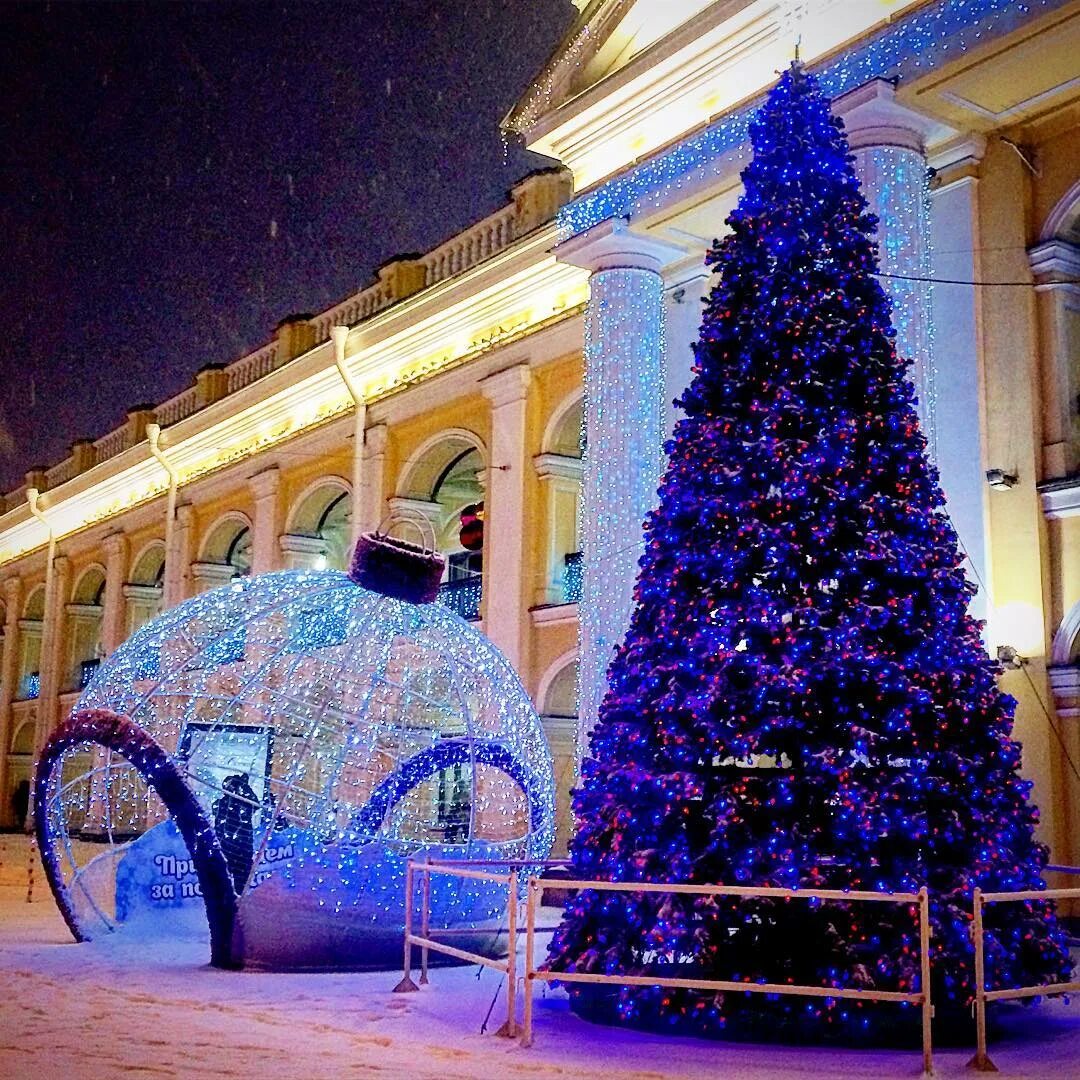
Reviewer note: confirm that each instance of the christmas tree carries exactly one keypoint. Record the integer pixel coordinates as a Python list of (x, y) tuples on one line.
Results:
[(802, 698)]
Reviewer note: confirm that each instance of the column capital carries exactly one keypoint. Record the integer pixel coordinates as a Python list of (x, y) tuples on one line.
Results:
[(131, 591), (403, 508), (873, 117), (375, 440), (301, 544), (12, 591), (302, 552), (957, 159), (211, 575), (613, 245), (115, 544), (1055, 264), (557, 467), (507, 386), (265, 484)]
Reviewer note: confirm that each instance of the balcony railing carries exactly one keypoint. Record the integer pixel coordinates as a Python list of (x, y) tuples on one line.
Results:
[(571, 577), (462, 597), (87, 670), (30, 686)]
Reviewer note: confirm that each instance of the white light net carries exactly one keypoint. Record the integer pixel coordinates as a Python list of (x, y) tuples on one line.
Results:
[(328, 733)]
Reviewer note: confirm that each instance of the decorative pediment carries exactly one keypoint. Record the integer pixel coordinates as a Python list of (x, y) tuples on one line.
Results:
[(605, 37)]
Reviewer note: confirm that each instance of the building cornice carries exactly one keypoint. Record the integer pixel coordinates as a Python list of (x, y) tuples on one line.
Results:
[(1061, 498), (557, 466), (511, 295), (1055, 264), (700, 70), (906, 45)]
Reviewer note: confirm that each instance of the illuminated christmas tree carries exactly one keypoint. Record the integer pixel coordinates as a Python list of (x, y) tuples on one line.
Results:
[(802, 698)]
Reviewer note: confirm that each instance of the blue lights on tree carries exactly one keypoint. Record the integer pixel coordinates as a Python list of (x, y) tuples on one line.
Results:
[(802, 699)]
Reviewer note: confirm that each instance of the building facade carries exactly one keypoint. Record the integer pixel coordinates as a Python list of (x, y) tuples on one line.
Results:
[(521, 373)]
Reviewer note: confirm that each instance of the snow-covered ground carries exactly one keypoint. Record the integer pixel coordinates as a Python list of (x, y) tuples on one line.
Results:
[(123, 1009)]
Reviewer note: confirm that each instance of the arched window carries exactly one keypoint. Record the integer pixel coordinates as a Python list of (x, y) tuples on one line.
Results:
[(559, 469), (144, 587), (226, 553), (318, 532), (84, 628), (30, 627), (441, 493)]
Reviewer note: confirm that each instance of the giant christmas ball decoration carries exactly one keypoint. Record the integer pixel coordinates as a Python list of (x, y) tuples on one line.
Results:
[(270, 753)]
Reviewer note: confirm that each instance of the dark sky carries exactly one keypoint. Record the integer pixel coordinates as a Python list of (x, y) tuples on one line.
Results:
[(175, 178)]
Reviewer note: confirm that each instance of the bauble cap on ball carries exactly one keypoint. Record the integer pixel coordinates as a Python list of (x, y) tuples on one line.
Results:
[(393, 567)]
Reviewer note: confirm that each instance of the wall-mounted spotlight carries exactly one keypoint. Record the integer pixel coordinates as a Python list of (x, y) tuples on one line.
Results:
[(1000, 480), (1009, 658)]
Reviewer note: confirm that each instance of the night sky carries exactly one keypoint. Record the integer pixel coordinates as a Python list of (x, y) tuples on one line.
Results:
[(174, 179)]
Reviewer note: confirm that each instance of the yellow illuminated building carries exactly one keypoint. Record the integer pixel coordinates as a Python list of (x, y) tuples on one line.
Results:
[(457, 377)]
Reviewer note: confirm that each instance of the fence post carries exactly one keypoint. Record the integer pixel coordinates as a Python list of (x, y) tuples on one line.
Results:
[(924, 978), (530, 944), (407, 986), (981, 1061), (425, 920), (509, 1029), (30, 869)]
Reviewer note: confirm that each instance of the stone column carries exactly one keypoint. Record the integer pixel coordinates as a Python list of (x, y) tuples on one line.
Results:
[(266, 523), (176, 585), (52, 650), (625, 412), (960, 409), (113, 619), (9, 670), (372, 500), (504, 609), (888, 141)]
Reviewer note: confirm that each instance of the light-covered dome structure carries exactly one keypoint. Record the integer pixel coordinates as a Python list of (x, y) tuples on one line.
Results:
[(272, 752)]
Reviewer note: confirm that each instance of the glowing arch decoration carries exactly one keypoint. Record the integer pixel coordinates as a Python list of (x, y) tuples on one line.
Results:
[(266, 757)]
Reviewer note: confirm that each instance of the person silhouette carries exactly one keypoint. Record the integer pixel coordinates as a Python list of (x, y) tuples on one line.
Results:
[(233, 815)]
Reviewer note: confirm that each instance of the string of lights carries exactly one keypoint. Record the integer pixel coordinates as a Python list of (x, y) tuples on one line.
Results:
[(327, 733)]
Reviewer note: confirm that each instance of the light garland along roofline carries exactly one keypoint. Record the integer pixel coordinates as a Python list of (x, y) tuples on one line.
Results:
[(510, 296), (915, 44), (533, 202)]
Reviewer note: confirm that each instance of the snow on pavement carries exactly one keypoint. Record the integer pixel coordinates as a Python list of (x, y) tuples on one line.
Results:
[(115, 1008)]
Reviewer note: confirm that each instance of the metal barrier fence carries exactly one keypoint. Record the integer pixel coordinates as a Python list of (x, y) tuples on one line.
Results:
[(981, 1060), (466, 868), (534, 887), (922, 998)]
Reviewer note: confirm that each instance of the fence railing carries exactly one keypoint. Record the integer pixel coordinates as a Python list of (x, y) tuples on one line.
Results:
[(921, 998), (109, 445), (178, 407), (247, 369), (60, 473), (426, 941), (476, 870), (981, 1060), (471, 247)]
